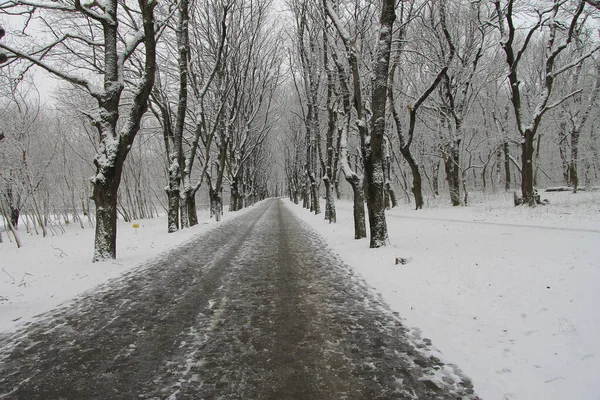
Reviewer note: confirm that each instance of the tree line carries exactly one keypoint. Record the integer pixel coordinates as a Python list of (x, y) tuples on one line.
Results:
[(471, 95), (203, 75), (160, 101)]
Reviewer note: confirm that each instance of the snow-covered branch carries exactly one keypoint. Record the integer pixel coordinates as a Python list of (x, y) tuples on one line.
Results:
[(344, 34), (62, 75), (575, 62)]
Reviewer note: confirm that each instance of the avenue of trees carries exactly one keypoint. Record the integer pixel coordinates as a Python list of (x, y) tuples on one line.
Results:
[(167, 106), (480, 95), (200, 77)]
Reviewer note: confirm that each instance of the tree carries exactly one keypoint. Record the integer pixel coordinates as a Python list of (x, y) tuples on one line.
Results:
[(457, 90), (355, 179), (406, 135), (574, 117), (527, 125), (103, 47), (308, 33), (372, 136), (329, 164), (181, 158)]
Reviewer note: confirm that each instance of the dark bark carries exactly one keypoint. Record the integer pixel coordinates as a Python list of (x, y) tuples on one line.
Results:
[(192, 213), (216, 203), (360, 228), (390, 196), (338, 192), (315, 206), (450, 156), (14, 207), (506, 151), (527, 169), (14, 217), (305, 197), (435, 178), (235, 200), (416, 188)]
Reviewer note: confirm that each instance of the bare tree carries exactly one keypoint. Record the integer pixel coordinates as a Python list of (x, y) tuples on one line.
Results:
[(105, 53), (574, 117), (307, 36), (180, 189), (372, 136), (458, 92), (406, 135), (527, 126)]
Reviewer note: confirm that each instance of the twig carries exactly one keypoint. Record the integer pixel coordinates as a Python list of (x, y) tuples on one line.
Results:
[(11, 277), (62, 253), (23, 283)]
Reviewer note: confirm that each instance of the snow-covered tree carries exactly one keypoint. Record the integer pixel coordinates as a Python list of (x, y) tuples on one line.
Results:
[(92, 46)]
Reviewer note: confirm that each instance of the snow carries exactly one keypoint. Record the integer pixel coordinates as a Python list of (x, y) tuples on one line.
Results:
[(508, 294), (46, 272)]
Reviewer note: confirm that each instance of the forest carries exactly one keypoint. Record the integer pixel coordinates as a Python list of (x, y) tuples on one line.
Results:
[(122, 109)]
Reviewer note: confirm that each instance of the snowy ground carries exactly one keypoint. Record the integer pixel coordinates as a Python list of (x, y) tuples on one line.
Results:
[(509, 294), (48, 271)]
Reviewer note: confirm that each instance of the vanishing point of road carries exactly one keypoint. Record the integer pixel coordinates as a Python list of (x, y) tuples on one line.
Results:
[(257, 308)]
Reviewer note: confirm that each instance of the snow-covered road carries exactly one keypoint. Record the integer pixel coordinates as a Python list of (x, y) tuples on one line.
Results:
[(255, 309)]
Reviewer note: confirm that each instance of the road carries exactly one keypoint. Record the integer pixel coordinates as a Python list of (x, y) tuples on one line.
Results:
[(258, 308)]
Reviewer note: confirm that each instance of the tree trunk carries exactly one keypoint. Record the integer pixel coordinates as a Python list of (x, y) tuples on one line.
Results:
[(360, 228), (314, 194), (330, 212), (11, 227), (234, 194), (191, 208), (305, 197), (451, 165), (13, 206), (435, 179), (183, 207), (14, 216), (216, 204), (416, 189), (105, 198), (573, 165), (173, 210), (506, 150), (173, 197), (391, 200), (527, 169), (374, 161)]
